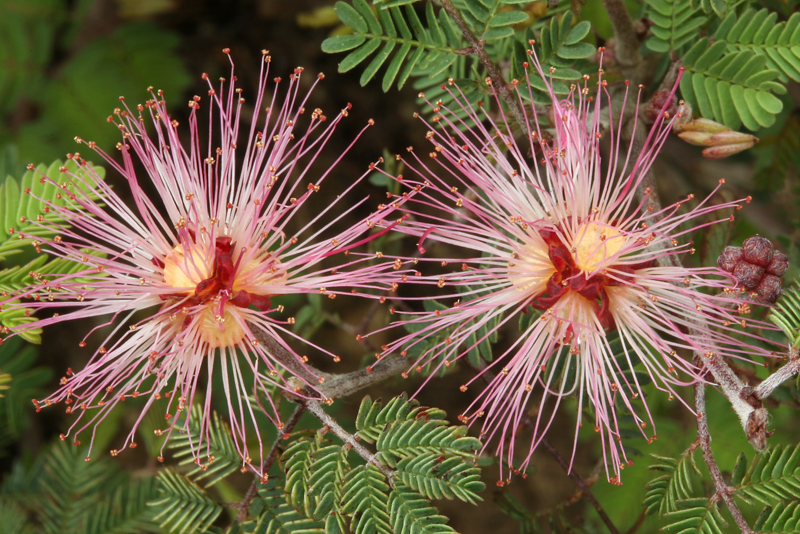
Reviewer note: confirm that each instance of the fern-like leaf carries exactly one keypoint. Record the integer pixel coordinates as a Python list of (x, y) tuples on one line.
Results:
[(275, 516), (223, 457), (695, 516), (125, 510), (439, 477), (14, 519), (412, 514), (298, 457), (407, 439), (674, 485), (365, 497), (780, 519), (733, 88), (786, 314), (761, 33), (22, 202), (184, 506), (326, 480), (400, 35), (774, 476), (373, 418), (675, 24)]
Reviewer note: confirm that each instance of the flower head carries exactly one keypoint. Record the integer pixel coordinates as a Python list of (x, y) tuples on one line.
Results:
[(553, 231), (203, 261)]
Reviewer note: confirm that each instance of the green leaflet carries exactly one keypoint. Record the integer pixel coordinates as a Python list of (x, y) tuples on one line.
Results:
[(419, 457), (786, 314), (773, 478), (734, 88), (676, 23), (222, 456), (184, 506), (62, 493), (400, 35)]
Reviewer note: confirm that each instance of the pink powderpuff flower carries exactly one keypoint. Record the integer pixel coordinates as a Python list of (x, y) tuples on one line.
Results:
[(563, 238), (188, 278)]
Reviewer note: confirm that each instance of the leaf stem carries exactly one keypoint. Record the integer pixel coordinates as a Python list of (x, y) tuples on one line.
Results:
[(315, 408), (626, 48), (252, 491), (723, 490), (478, 48)]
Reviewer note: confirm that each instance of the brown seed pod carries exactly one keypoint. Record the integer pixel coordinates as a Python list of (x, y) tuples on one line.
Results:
[(757, 250), (729, 258)]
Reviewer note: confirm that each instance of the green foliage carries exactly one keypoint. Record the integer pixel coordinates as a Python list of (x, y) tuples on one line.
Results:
[(365, 498), (63, 493), (664, 492), (774, 475), (733, 88), (21, 204), (275, 516), (223, 458), (400, 35), (28, 29), (779, 519), (786, 314), (700, 516), (773, 479), (24, 201), (761, 33), (430, 47), (17, 360), (184, 506), (516, 510), (419, 457), (675, 24), (412, 514)]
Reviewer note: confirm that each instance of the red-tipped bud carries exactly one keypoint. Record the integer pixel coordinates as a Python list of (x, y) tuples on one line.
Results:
[(757, 250), (729, 258), (779, 264), (661, 102), (756, 267), (769, 288), (747, 274)]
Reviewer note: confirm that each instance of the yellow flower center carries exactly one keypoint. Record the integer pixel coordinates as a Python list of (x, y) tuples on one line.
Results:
[(534, 268), (206, 276), (185, 273), (595, 244), (219, 331)]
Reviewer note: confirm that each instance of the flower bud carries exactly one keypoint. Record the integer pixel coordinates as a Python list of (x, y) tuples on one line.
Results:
[(747, 274), (721, 140), (769, 288), (757, 250), (729, 258), (719, 152), (757, 267), (779, 264), (702, 125)]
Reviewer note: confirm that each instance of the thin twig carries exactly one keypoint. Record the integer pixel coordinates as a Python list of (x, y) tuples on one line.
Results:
[(478, 48), (315, 408), (765, 388), (252, 491), (576, 478), (723, 490), (626, 48)]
